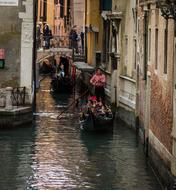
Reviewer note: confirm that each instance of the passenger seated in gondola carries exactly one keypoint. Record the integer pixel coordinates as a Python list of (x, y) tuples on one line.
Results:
[(61, 72), (98, 108)]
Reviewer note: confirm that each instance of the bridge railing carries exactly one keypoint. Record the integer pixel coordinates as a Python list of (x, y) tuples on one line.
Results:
[(57, 41), (60, 42)]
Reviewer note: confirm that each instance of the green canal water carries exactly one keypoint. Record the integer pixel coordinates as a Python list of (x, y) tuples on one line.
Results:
[(54, 154)]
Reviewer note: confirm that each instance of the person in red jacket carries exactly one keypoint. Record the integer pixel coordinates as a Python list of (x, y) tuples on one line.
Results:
[(99, 80)]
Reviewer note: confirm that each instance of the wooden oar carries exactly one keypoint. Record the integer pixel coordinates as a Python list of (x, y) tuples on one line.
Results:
[(76, 100)]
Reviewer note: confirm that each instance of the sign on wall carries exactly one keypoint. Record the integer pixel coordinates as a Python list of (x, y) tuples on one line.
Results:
[(8, 2), (2, 58), (2, 53)]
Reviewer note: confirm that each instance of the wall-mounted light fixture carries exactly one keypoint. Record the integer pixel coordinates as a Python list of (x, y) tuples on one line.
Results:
[(168, 8)]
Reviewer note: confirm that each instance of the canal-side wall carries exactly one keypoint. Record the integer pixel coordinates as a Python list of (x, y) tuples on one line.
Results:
[(160, 164), (15, 117), (127, 116), (14, 112)]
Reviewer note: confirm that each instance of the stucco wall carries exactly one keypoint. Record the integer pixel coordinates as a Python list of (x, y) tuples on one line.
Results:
[(93, 18), (79, 14), (10, 40)]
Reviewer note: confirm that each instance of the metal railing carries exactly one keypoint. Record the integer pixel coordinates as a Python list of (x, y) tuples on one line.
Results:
[(18, 96), (57, 41)]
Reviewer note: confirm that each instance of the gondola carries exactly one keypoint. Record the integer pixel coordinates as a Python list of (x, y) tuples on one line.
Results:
[(62, 84), (46, 68), (93, 122)]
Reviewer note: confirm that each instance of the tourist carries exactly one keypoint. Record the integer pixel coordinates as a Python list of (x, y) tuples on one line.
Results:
[(61, 71)]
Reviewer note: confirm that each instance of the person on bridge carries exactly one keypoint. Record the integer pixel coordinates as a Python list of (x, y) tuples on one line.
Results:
[(98, 80), (46, 36)]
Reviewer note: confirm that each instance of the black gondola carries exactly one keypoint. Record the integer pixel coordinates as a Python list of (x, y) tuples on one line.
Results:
[(93, 122), (62, 84), (46, 68)]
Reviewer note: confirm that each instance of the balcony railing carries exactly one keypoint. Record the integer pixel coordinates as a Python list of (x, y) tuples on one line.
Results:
[(18, 96), (58, 41)]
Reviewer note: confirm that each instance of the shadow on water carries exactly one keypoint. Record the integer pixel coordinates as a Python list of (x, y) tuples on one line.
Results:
[(61, 99), (94, 141)]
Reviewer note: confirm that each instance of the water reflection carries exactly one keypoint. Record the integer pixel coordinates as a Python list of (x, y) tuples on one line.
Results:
[(55, 154), (95, 141), (15, 161)]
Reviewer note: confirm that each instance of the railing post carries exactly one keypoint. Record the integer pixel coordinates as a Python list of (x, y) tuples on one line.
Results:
[(9, 105)]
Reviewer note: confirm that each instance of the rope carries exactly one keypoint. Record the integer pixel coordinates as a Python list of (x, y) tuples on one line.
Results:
[(82, 95)]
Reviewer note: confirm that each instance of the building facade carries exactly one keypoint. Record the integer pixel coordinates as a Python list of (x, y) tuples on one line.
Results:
[(135, 47), (57, 14), (10, 42), (46, 11), (79, 15), (93, 30), (122, 58), (156, 88), (17, 46)]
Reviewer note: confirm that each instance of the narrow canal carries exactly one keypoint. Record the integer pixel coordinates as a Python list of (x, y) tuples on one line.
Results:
[(54, 155)]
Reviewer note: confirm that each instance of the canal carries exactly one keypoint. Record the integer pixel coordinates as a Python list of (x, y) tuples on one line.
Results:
[(54, 155)]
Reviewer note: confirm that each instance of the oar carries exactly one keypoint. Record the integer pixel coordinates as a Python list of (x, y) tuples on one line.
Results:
[(58, 117)]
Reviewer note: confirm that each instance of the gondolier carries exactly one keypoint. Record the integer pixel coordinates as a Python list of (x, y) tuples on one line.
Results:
[(98, 80)]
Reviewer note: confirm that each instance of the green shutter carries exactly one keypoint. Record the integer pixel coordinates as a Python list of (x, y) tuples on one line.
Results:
[(107, 5)]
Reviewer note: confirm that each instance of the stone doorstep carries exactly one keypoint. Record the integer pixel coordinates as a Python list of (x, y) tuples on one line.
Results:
[(15, 111)]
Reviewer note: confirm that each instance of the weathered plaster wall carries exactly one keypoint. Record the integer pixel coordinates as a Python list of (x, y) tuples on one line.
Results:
[(10, 40)]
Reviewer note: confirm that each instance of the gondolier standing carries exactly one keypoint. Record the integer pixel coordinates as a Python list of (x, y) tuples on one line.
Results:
[(98, 80)]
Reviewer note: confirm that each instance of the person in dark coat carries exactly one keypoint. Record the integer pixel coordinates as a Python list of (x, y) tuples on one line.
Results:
[(82, 41), (38, 35), (46, 36)]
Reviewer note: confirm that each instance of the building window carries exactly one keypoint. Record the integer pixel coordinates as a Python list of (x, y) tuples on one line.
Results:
[(149, 44), (105, 5), (106, 41), (55, 2), (45, 10), (156, 48), (126, 50), (165, 47), (114, 40), (40, 11), (61, 8), (134, 53)]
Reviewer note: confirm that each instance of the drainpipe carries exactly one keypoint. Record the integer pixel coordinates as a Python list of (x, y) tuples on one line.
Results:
[(145, 41), (34, 53), (86, 30), (146, 138)]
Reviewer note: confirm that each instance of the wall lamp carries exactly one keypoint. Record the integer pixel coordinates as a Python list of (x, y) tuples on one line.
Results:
[(168, 8)]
